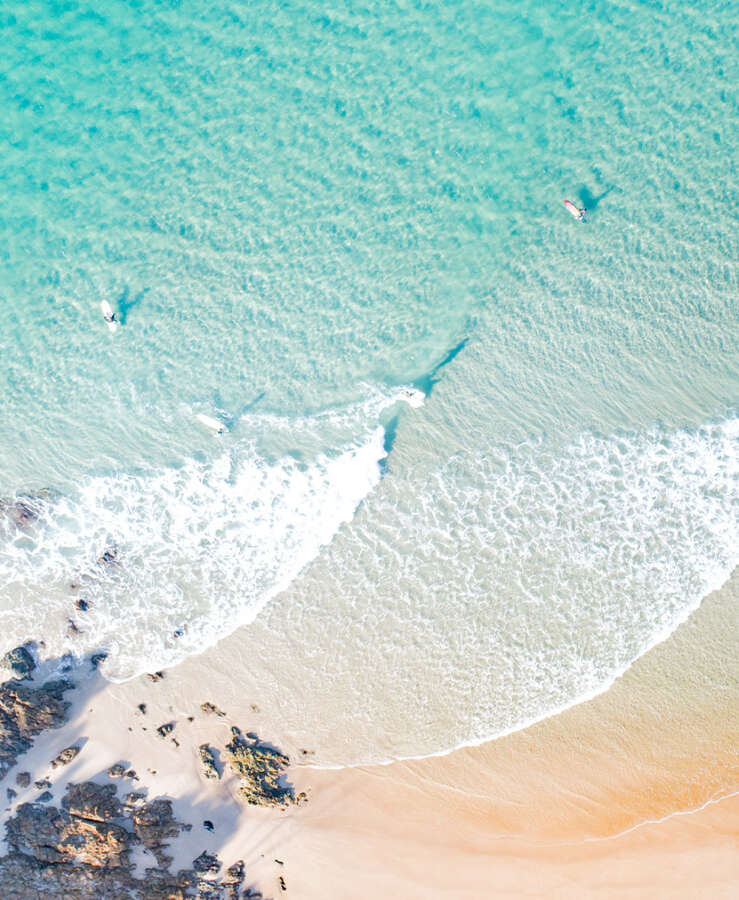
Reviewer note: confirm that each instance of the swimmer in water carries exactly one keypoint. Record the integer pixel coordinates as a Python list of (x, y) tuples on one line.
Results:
[(110, 318)]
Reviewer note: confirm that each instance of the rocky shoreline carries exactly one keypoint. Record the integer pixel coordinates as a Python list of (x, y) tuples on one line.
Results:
[(85, 849), (99, 840)]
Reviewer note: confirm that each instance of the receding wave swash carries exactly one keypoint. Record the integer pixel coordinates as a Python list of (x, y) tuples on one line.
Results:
[(560, 566), (193, 550)]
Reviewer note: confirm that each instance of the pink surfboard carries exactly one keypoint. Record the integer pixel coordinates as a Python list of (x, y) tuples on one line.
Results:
[(577, 213)]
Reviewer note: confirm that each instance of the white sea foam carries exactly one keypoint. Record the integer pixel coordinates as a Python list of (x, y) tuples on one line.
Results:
[(200, 548), (506, 586)]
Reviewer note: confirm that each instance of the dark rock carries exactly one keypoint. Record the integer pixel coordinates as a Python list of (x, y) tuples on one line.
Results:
[(235, 873), (42, 783), (11, 794), (56, 854), (45, 797), (97, 658), (65, 757), (23, 779), (131, 773), (116, 771), (133, 799), (165, 729), (54, 836), (20, 661), (82, 605), (109, 557), (261, 769), (24, 511), (89, 800), (212, 709), (83, 850), (154, 824), (208, 825), (206, 862), (208, 762), (160, 885), (25, 712)]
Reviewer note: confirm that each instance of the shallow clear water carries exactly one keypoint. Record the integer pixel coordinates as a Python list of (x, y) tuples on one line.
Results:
[(295, 211)]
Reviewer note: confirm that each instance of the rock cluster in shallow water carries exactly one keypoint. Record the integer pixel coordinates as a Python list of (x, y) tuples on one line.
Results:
[(24, 511), (19, 661)]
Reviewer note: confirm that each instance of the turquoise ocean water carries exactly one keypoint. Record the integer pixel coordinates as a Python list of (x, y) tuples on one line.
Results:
[(298, 210)]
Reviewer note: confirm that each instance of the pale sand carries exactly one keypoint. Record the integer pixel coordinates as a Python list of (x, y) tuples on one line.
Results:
[(535, 814), (563, 808)]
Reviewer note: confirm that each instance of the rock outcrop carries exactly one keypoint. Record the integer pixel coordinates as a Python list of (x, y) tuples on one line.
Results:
[(208, 762), (23, 511), (165, 729), (83, 852), (65, 757), (206, 862), (154, 824), (51, 835), (26, 711), (262, 770), (19, 661), (97, 802)]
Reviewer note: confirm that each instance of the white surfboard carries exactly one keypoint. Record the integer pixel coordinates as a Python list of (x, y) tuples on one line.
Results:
[(108, 315), (209, 422), (579, 214), (412, 396)]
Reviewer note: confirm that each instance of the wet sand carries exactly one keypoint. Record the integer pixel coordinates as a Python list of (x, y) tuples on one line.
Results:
[(626, 795), (617, 797)]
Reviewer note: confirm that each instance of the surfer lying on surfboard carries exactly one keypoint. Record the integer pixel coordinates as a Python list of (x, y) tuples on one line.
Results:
[(579, 214), (108, 315)]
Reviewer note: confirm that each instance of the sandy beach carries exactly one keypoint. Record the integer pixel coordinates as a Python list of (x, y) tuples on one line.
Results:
[(629, 794), (369, 473)]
